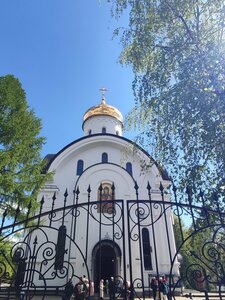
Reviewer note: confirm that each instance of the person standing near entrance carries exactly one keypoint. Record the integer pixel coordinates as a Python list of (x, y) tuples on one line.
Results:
[(91, 290), (106, 287), (112, 289), (101, 289), (154, 287)]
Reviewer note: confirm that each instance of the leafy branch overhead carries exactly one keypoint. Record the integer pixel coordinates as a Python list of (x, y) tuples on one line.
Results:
[(177, 51), (20, 145)]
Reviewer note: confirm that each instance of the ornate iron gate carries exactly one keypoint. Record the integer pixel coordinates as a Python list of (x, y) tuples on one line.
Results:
[(41, 254)]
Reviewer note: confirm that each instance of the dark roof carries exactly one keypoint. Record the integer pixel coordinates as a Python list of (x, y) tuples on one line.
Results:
[(48, 159)]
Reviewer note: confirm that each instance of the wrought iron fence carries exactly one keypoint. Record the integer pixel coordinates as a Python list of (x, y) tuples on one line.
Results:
[(43, 255)]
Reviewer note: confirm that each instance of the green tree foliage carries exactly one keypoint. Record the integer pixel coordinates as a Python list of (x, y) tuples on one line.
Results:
[(6, 264), (206, 259), (177, 51), (20, 145), (202, 250)]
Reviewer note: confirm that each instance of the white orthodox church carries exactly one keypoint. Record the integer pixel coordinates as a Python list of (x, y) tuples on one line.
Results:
[(111, 225)]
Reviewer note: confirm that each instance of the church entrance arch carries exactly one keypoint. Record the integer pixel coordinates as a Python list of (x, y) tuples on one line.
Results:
[(106, 258)]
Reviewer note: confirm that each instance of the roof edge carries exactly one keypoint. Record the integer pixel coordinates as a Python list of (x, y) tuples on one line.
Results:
[(52, 157)]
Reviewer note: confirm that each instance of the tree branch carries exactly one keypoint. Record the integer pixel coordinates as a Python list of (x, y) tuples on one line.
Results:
[(179, 16)]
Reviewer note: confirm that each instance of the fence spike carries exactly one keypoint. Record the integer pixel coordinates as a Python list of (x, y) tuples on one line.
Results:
[(89, 189), (5, 213), (161, 188), (17, 210), (100, 192), (53, 200), (28, 212), (149, 187), (201, 194), (77, 191), (35, 240), (136, 186), (174, 188), (66, 193), (16, 215), (100, 188), (40, 210), (65, 198), (29, 205), (113, 191), (42, 201), (54, 196), (188, 190)]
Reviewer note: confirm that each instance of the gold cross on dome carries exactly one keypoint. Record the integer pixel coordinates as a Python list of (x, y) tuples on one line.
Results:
[(103, 90)]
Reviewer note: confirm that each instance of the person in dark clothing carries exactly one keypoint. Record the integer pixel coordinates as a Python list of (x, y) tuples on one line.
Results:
[(69, 288), (80, 290), (125, 292), (112, 289), (166, 288), (154, 287), (163, 289)]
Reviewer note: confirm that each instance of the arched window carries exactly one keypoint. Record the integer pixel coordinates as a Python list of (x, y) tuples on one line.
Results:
[(104, 157), (146, 249), (129, 168), (103, 129), (89, 132), (80, 167), (117, 132)]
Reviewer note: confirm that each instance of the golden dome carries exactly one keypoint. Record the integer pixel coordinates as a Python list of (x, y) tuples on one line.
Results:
[(103, 109)]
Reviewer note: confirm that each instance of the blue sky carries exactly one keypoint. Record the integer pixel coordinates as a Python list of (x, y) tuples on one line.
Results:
[(62, 52)]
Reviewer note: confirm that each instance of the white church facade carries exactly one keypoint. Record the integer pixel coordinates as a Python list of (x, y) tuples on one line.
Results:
[(110, 226)]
